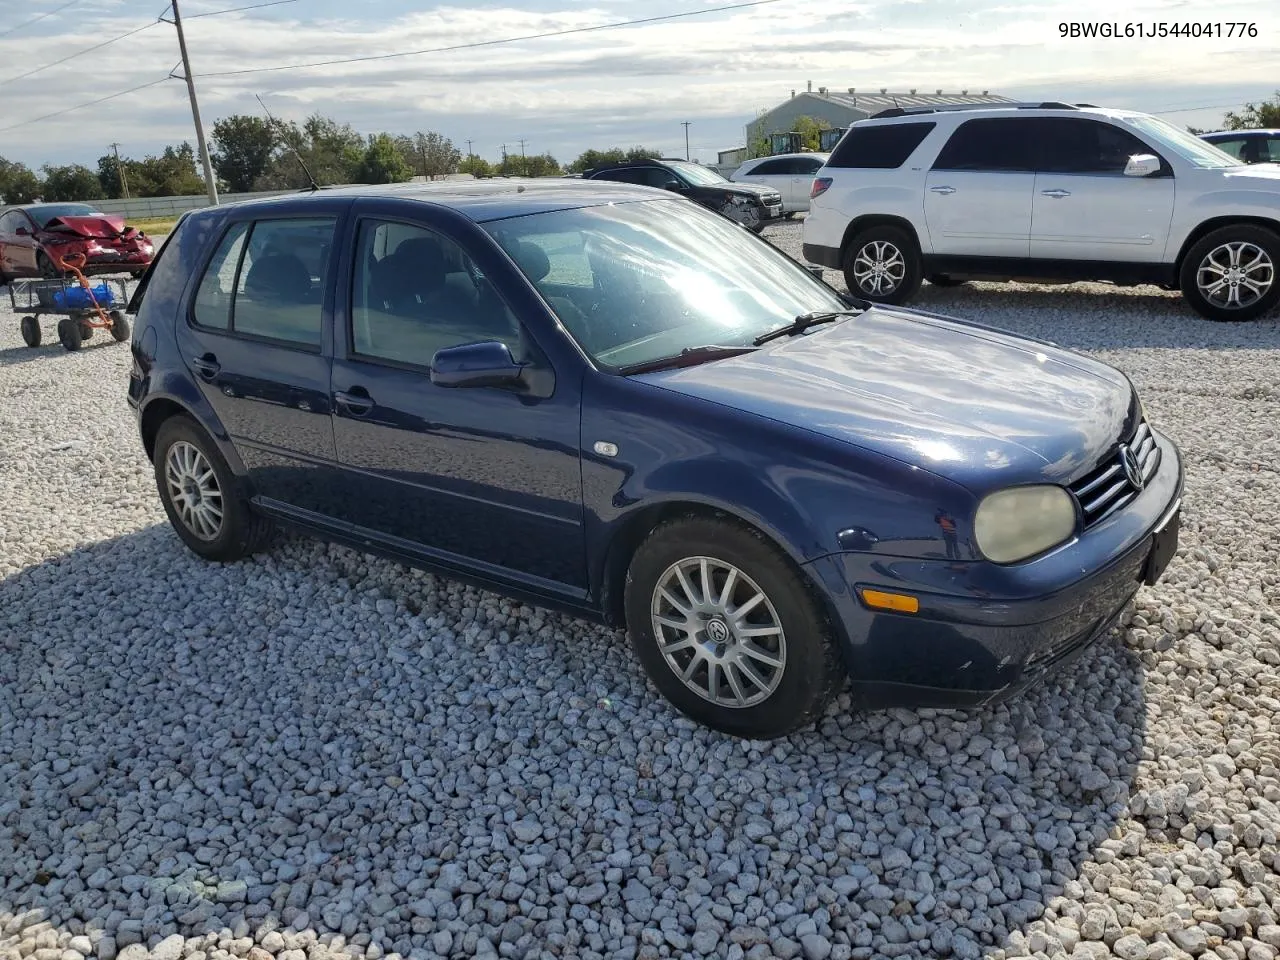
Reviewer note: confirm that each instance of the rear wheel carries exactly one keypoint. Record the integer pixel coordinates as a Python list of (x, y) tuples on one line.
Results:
[(728, 631), (30, 331), (70, 333), (1230, 274), (201, 497), (882, 264)]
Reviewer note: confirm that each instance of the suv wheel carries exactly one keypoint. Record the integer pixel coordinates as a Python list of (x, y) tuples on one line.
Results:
[(1230, 274), (727, 630), (201, 497), (883, 264)]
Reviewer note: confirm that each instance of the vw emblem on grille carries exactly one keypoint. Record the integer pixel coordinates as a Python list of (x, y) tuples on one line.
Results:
[(1132, 469)]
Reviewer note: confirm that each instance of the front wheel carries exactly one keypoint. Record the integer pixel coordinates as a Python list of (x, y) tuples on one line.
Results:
[(1230, 274), (728, 631), (883, 265), (201, 497)]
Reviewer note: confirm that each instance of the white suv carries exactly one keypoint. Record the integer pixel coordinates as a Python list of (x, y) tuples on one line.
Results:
[(1049, 192)]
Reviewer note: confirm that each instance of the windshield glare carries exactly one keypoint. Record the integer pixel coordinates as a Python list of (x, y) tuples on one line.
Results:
[(42, 215), (1188, 146), (698, 175), (635, 282)]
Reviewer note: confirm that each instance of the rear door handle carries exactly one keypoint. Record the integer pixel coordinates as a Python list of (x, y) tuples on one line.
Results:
[(207, 366), (943, 190), (1056, 194), (356, 404)]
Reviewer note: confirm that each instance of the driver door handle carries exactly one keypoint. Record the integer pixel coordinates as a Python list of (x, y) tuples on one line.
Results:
[(1056, 194), (943, 190), (356, 404)]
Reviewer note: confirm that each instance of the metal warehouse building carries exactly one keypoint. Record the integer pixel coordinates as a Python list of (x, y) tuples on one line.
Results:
[(841, 108)]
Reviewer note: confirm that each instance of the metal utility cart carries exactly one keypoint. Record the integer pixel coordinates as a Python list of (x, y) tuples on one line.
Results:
[(83, 307)]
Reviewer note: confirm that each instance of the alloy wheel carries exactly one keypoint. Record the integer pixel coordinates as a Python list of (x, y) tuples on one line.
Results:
[(718, 632), (193, 490), (1235, 275), (879, 267)]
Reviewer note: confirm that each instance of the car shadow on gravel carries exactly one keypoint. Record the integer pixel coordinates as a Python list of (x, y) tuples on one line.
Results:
[(1088, 320), (50, 349), (321, 740)]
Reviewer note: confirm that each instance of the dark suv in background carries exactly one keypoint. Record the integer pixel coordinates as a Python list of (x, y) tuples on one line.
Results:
[(750, 204)]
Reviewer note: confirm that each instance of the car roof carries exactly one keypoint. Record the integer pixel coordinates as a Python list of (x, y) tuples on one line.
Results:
[(965, 112), (788, 156), (1251, 132), (480, 200)]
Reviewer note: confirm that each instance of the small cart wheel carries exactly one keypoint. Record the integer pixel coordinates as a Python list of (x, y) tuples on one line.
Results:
[(119, 326), (86, 331), (69, 333), (31, 331)]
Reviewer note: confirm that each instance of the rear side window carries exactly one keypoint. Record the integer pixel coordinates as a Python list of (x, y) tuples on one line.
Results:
[(1269, 150), (771, 168), (881, 147), (267, 279), (1234, 147), (1004, 144)]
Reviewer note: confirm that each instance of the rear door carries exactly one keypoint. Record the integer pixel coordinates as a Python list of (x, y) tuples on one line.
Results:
[(1085, 208), (977, 199), (258, 344)]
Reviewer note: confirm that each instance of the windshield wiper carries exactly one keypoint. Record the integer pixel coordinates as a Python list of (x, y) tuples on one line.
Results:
[(802, 323), (685, 358)]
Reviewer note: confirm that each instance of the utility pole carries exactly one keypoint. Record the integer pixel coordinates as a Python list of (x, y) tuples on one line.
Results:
[(685, 124), (124, 181), (522, 148), (468, 148), (195, 107)]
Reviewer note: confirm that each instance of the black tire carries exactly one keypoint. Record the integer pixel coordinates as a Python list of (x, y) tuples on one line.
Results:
[(30, 331), (1195, 269), (811, 671), (69, 333), (877, 242), (942, 280), (119, 326), (47, 270), (240, 532)]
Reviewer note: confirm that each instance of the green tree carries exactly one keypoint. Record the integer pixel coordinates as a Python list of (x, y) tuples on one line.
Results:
[(476, 166), (1254, 115), (809, 129), (109, 176), (172, 174), (18, 184), (429, 154), (71, 183), (333, 152), (382, 162), (540, 165), (243, 147)]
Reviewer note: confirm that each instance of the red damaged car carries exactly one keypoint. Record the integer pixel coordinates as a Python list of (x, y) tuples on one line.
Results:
[(35, 238)]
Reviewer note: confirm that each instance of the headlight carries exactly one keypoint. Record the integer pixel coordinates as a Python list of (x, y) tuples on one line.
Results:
[(1018, 523)]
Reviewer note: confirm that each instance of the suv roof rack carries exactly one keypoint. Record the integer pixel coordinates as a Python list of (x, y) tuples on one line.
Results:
[(951, 107), (639, 162)]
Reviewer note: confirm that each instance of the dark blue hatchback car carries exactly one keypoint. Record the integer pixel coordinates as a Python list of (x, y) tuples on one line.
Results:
[(607, 400)]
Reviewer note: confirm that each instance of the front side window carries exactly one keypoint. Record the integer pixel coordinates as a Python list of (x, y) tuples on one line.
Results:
[(1070, 145), (417, 292), (1197, 152), (634, 282), (267, 279), (994, 144)]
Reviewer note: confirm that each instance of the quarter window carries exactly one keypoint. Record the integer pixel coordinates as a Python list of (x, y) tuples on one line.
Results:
[(771, 168), (881, 146), (417, 292), (1000, 144), (267, 279)]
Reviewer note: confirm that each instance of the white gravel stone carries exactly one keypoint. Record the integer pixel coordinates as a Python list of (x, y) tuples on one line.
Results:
[(318, 753)]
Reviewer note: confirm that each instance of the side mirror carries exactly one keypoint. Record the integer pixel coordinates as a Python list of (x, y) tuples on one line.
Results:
[(21, 232), (673, 185), (1142, 165), (484, 364)]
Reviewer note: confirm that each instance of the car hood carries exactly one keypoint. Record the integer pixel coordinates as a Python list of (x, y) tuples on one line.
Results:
[(101, 226), (1264, 176), (754, 189), (977, 406)]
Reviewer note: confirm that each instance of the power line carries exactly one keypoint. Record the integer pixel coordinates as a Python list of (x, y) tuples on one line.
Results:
[(80, 106), (494, 43), (70, 3), (252, 6)]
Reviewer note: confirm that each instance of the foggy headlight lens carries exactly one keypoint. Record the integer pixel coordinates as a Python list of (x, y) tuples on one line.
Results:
[(1020, 522)]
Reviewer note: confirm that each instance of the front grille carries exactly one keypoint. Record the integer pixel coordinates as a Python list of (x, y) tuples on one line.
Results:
[(1108, 487)]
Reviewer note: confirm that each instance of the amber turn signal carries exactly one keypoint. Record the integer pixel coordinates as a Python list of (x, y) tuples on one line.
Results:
[(897, 602)]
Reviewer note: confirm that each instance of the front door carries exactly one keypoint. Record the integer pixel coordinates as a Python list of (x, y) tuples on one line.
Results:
[(977, 199), (17, 252), (255, 344), (487, 479), (1085, 208)]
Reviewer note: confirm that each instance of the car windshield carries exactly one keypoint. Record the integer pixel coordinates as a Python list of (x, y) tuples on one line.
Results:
[(1187, 145), (43, 214), (697, 174), (640, 281)]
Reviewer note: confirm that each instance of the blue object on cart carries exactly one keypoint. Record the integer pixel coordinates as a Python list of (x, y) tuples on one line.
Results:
[(77, 298)]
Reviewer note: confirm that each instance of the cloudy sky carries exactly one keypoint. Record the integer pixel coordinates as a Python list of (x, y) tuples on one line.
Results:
[(602, 88)]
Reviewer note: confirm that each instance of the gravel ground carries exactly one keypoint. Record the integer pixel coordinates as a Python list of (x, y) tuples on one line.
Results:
[(318, 752)]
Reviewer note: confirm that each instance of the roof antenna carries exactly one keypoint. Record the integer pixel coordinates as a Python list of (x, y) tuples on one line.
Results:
[(894, 99), (311, 181)]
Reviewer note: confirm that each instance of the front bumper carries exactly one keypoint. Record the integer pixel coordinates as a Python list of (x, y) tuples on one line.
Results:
[(998, 630)]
